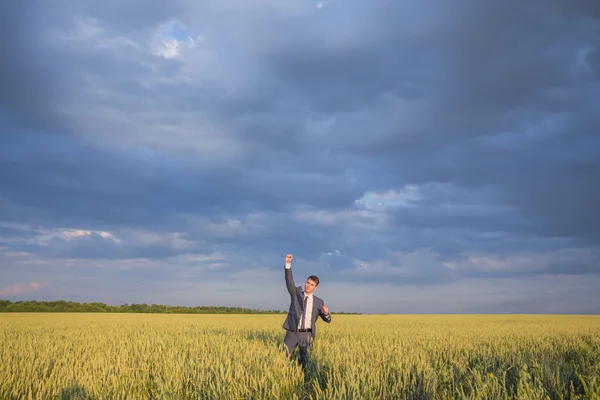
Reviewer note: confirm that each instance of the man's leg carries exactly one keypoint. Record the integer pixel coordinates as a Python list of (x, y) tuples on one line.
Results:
[(304, 340), (290, 342)]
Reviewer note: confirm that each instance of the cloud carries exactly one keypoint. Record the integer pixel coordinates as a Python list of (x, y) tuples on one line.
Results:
[(19, 289), (382, 143), (170, 38), (389, 199)]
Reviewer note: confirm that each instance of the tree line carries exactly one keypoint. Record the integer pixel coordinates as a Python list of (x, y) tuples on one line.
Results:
[(73, 306)]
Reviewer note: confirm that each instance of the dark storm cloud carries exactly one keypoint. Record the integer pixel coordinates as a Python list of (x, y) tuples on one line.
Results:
[(26, 92), (279, 126), (514, 104), (76, 182)]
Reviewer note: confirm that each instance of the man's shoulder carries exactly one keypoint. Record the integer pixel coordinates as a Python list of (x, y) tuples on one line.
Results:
[(317, 298)]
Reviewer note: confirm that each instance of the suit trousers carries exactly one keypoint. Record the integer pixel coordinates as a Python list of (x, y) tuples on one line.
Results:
[(298, 339)]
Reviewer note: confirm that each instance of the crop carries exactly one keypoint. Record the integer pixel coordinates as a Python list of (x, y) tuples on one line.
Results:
[(140, 356)]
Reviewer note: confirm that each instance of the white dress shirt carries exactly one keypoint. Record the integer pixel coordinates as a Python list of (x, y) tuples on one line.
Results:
[(307, 311)]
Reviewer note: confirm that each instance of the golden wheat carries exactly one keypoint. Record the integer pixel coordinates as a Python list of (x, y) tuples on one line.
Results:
[(141, 356)]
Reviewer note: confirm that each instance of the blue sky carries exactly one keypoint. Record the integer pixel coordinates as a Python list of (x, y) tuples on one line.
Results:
[(407, 153)]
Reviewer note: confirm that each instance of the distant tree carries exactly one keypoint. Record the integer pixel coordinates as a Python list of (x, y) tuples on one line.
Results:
[(97, 307)]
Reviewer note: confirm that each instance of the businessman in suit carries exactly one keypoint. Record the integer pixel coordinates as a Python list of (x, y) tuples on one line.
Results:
[(301, 321)]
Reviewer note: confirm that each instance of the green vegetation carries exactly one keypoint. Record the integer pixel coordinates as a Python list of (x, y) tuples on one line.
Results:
[(141, 356), (73, 306)]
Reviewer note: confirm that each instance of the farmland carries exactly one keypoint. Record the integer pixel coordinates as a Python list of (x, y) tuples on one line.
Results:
[(142, 356)]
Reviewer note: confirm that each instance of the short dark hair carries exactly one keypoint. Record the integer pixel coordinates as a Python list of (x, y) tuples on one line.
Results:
[(313, 278)]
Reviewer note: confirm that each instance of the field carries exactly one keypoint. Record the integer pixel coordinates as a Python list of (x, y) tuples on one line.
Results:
[(144, 356)]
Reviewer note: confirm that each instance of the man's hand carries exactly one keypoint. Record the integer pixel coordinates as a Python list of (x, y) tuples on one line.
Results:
[(289, 258), (325, 310)]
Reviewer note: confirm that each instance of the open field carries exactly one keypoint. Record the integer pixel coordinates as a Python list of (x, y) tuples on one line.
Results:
[(142, 356)]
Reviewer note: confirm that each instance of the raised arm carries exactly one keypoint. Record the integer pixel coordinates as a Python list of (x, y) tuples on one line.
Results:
[(289, 279)]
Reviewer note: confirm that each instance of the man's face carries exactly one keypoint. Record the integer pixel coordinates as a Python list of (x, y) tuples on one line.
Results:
[(310, 286)]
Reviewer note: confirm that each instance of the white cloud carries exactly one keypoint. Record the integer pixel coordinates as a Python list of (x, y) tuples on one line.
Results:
[(21, 288), (87, 33), (5, 251), (41, 236), (145, 238), (77, 233), (526, 262), (87, 27), (333, 218), (171, 38), (390, 199), (418, 263), (167, 48), (171, 48), (535, 294)]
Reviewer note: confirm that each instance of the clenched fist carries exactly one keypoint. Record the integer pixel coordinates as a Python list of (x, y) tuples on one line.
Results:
[(325, 310), (289, 258)]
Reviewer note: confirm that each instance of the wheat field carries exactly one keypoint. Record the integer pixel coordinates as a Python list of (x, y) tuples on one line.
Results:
[(145, 356)]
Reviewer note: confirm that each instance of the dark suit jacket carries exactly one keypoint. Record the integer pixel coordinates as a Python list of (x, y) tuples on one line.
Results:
[(296, 306)]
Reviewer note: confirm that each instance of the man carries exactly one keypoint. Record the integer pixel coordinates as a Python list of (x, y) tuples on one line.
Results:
[(301, 321)]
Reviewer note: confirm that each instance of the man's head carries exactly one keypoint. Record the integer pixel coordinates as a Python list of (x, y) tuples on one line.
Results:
[(311, 284)]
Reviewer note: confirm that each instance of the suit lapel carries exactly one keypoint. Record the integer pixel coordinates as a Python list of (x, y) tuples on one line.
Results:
[(301, 299), (300, 294)]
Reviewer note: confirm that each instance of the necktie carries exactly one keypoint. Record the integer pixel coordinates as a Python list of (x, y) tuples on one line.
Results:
[(304, 313)]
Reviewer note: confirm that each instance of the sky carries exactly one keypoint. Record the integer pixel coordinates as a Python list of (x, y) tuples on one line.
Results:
[(416, 156)]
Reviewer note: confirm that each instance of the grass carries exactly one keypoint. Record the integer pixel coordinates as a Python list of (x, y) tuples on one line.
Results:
[(141, 356)]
